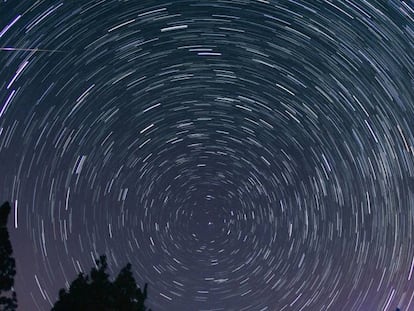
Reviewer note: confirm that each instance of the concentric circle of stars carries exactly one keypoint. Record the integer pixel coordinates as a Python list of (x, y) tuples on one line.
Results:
[(242, 155)]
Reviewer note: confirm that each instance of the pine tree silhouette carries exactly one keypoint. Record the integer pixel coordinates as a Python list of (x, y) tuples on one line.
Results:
[(126, 293), (97, 292), (8, 297)]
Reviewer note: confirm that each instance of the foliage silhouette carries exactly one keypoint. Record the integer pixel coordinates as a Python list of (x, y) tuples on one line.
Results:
[(97, 292), (8, 297)]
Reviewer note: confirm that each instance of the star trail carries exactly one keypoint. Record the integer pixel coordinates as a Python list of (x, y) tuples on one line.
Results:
[(242, 155)]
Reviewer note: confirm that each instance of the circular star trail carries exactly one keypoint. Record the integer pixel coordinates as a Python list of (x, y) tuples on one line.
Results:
[(242, 155)]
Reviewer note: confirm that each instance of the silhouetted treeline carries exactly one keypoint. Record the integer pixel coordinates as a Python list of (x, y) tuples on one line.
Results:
[(8, 297), (96, 292), (92, 292)]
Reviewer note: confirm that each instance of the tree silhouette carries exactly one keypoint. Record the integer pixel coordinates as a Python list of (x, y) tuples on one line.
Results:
[(97, 292), (128, 296), (8, 298)]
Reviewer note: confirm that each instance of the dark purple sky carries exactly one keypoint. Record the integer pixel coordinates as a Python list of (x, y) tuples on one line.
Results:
[(242, 155)]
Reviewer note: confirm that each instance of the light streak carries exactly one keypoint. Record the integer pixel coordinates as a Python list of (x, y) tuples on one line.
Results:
[(13, 49)]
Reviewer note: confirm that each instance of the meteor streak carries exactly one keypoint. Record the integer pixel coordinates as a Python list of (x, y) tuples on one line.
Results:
[(29, 50)]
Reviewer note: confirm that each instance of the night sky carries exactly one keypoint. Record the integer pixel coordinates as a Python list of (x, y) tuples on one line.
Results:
[(242, 155)]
